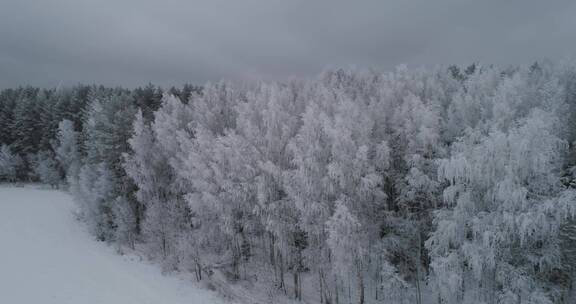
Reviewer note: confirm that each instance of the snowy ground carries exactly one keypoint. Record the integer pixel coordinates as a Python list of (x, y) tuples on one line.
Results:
[(47, 257)]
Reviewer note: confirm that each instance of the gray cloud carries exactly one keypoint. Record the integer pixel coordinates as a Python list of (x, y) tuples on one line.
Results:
[(132, 42)]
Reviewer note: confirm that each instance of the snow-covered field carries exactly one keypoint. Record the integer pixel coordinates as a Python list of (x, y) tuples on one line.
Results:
[(48, 257)]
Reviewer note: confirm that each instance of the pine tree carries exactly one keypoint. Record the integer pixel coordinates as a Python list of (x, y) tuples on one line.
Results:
[(102, 180)]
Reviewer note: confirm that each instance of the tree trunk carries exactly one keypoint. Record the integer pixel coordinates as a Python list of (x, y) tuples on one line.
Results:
[(198, 272), (295, 277), (349, 291), (336, 291), (326, 287), (272, 255), (321, 287), (299, 287), (164, 250), (360, 287), (493, 286), (281, 265), (418, 261)]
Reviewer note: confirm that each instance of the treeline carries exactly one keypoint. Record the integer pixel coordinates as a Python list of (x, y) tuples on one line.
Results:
[(442, 185), (30, 118)]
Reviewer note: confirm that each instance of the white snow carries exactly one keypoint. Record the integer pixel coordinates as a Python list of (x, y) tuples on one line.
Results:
[(47, 256)]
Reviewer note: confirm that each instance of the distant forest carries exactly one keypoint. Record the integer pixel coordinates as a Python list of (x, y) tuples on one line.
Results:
[(427, 185)]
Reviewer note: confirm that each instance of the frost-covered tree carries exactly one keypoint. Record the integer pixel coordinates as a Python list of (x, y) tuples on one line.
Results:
[(10, 164), (354, 174), (224, 180), (67, 152), (46, 169), (141, 166), (215, 107), (499, 240), (417, 131), (165, 213), (108, 127), (102, 180), (306, 184), (347, 241), (267, 121), (95, 195), (66, 147)]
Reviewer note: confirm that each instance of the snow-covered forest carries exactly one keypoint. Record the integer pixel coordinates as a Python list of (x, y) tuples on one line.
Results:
[(420, 185)]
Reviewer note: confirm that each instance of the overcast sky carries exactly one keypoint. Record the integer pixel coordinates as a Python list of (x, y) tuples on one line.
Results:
[(133, 42)]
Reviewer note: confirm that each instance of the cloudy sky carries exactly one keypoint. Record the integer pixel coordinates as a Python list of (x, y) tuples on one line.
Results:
[(133, 42)]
